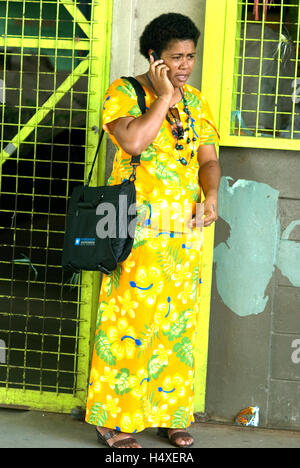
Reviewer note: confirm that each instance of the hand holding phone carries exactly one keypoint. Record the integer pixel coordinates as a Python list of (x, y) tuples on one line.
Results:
[(159, 77)]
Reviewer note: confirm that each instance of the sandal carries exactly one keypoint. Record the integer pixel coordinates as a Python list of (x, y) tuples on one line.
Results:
[(103, 439), (173, 438)]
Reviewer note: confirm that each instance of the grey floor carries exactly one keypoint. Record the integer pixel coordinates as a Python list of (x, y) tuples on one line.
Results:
[(31, 429)]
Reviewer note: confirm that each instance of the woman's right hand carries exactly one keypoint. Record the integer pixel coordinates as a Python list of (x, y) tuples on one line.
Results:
[(158, 74)]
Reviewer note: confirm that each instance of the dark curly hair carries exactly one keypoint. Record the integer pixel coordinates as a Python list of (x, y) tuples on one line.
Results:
[(165, 28)]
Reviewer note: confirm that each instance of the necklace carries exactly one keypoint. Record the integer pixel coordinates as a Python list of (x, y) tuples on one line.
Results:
[(173, 118), (179, 133)]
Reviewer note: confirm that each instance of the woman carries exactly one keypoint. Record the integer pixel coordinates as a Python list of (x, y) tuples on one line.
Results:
[(143, 364)]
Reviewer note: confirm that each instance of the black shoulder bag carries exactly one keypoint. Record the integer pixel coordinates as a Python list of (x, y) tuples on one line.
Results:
[(101, 221)]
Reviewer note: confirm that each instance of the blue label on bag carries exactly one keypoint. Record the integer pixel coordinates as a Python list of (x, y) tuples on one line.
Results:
[(85, 241)]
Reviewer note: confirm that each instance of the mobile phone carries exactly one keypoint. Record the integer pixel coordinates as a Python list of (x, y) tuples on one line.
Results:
[(155, 55)]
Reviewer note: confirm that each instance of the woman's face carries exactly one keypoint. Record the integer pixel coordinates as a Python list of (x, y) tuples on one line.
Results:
[(179, 56)]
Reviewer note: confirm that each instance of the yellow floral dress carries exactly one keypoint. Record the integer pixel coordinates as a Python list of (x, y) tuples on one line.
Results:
[(143, 367)]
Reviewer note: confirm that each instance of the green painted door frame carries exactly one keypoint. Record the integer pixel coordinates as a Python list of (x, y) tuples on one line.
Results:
[(66, 35)]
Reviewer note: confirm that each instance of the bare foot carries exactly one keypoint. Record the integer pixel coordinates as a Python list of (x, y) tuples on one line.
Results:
[(181, 441), (118, 436)]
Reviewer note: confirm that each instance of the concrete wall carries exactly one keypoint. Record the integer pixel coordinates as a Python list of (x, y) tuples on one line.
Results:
[(254, 349), (129, 21)]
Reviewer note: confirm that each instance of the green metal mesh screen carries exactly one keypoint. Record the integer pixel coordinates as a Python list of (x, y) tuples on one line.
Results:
[(266, 98), (45, 94)]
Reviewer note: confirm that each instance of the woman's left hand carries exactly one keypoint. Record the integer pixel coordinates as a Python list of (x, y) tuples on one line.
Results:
[(210, 209)]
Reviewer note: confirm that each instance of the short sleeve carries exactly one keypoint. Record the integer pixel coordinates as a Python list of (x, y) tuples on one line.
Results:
[(120, 100), (209, 134)]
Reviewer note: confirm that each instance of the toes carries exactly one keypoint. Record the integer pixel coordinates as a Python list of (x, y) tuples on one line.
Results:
[(186, 442)]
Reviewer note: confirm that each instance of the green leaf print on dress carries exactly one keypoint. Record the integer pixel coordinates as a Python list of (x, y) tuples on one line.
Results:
[(125, 165), (142, 210), (192, 100), (155, 367), (127, 89), (99, 315), (180, 417), (162, 172), (148, 154), (135, 111), (98, 415), (158, 361), (195, 277), (102, 346), (184, 351), (112, 281), (122, 385), (169, 260), (194, 188), (147, 337), (162, 141), (139, 238), (178, 328)]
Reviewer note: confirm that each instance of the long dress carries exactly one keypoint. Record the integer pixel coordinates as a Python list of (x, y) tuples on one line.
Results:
[(143, 366)]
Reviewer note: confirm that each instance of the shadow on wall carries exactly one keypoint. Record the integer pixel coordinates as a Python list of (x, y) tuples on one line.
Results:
[(246, 261)]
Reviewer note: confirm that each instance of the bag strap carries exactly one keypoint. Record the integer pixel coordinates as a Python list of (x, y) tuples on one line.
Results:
[(135, 160), (95, 157), (139, 91), (141, 95)]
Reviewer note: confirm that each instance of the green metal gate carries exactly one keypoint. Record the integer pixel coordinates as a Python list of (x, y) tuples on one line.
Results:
[(258, 89), (54, 58)]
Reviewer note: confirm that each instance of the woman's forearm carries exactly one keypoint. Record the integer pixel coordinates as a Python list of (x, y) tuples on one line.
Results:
[(209, 177), (137, 134)]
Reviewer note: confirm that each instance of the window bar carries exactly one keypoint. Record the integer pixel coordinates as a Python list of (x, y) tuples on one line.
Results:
[(55, 71), (47, 234), (5, 55), (75, 27), (243, 70), (28, 336), (260, 76), (14, 285), (9, 327), (297, 70), (278, 74), (18, 187)]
